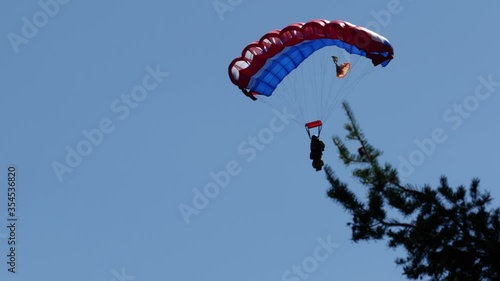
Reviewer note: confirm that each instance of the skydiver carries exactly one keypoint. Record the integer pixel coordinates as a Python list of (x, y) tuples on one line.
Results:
[(317, 148)]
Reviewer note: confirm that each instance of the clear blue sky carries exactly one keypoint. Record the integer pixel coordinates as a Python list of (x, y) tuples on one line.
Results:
[(117, 208)]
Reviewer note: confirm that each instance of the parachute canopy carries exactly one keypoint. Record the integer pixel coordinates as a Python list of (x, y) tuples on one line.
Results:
[(264, 63)]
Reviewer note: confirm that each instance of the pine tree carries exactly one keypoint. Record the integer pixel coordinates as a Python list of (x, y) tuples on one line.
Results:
[(448, 233)]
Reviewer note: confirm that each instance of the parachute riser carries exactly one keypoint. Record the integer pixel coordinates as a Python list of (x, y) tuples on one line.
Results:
[(315, 124)]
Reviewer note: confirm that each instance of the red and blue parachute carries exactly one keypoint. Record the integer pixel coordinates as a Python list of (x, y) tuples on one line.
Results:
[(294, 65)]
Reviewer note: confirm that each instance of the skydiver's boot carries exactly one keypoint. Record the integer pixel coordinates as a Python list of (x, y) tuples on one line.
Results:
[(317, 164)]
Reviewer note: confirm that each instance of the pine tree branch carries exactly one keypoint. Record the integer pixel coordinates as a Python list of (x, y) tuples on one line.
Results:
[(452, 236)]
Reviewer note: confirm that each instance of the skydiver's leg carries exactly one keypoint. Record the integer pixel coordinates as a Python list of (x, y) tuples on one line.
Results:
[(317, 164), (320, 165)]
